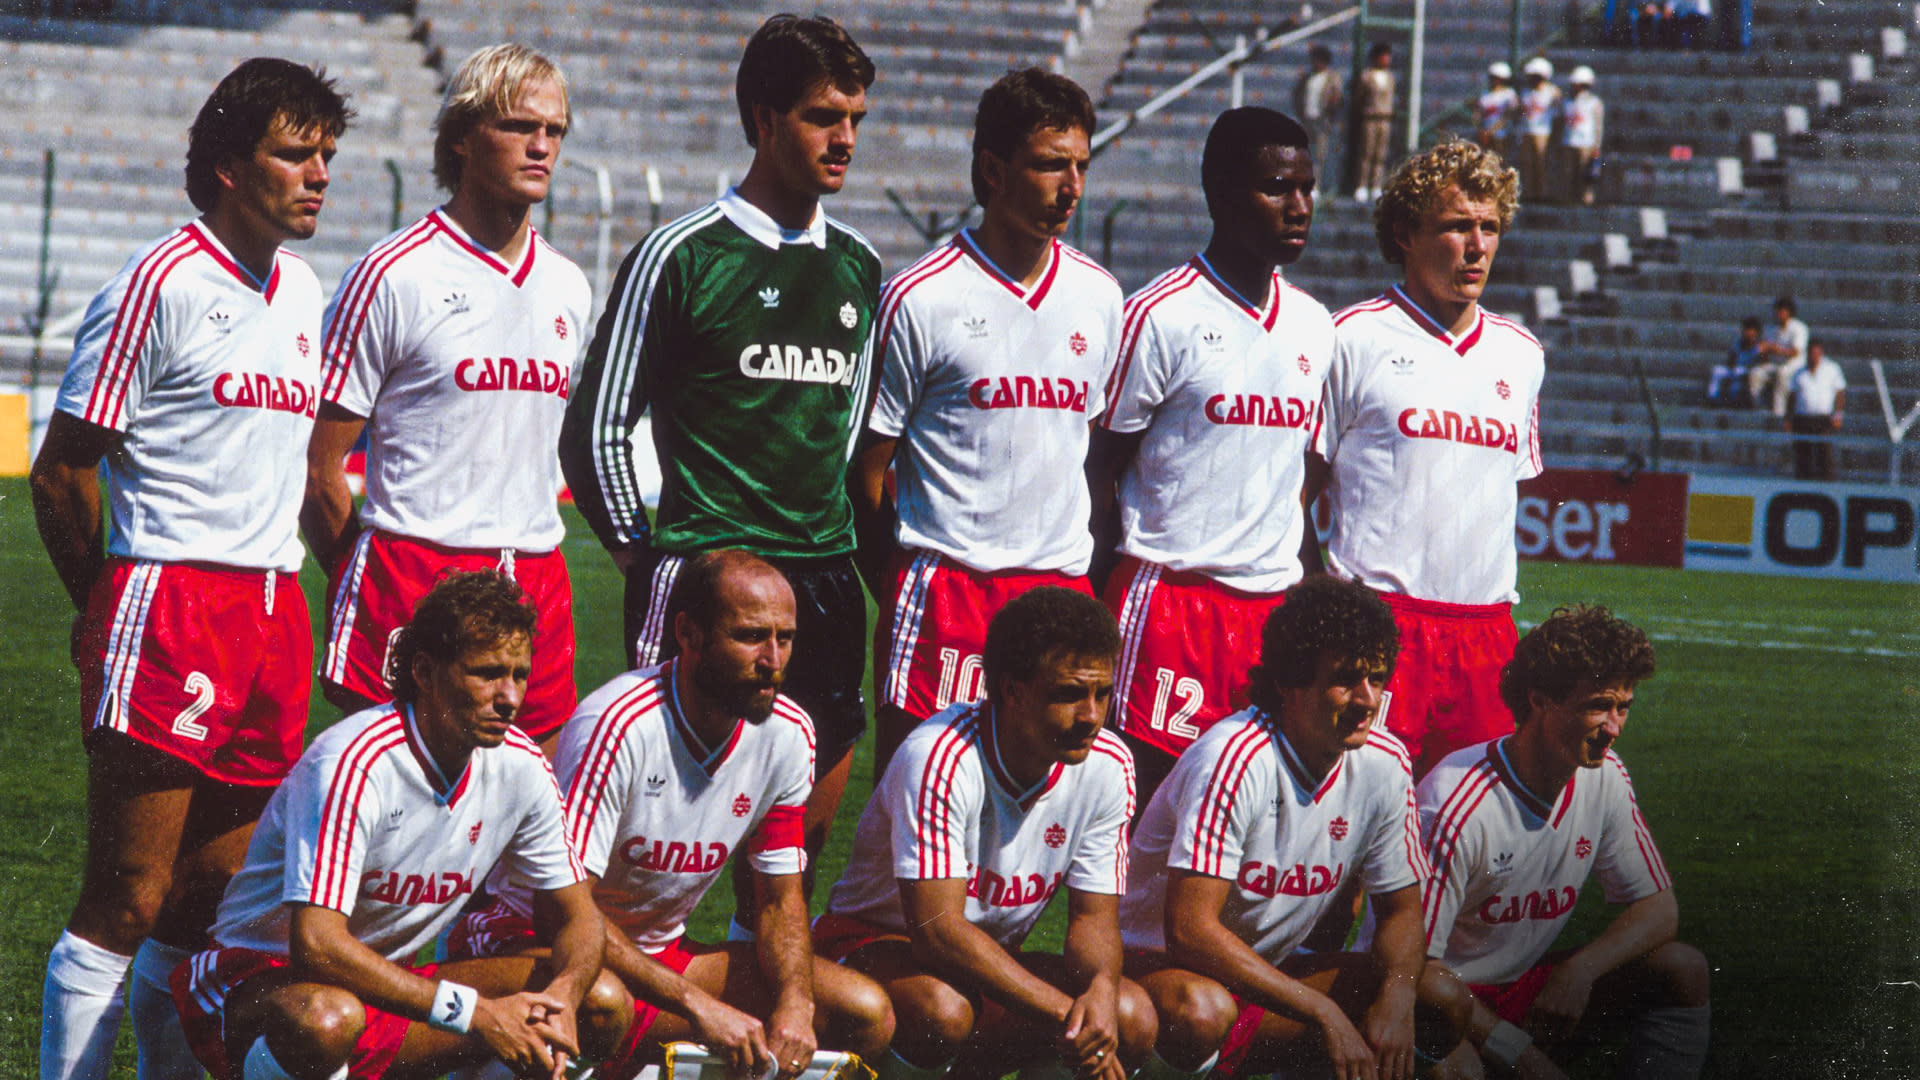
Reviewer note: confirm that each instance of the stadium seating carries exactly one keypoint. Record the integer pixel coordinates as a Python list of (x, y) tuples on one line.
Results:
[(1792, 167)]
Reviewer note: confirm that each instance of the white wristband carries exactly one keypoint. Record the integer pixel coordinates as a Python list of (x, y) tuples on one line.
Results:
[(453, 1007), (1505, 1043)]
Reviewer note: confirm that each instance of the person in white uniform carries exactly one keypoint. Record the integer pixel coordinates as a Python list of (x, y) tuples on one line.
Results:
[(1514, 828), (669, 773), (1249, 844), (987, 811), (373, 847), (452, 344), (996, 348), (194, 377)]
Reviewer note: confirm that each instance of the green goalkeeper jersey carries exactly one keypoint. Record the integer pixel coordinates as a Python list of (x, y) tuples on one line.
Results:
[(752, 346)]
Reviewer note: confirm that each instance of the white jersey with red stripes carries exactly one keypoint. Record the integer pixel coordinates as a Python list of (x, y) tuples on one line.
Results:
[(948, 808), (1508, 866), (367, 825), (989, 386), (211, 377), (1226, 396), (655, 813), (462, 365), (1427, 434), (1239, 805)]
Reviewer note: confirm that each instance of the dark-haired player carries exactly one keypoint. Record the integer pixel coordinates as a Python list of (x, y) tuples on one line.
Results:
[(1210, 412), (372, 848), (1514, 828), (745, 328), (1431, 420), (997, 348), (452, 344), (194, 377), (986, 812), (1248, 844)]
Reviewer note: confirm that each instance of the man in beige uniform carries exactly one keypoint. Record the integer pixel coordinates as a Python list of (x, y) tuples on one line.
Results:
[(1375, 94)]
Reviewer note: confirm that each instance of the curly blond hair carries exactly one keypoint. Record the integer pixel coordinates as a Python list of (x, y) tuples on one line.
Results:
[(1422, 179)]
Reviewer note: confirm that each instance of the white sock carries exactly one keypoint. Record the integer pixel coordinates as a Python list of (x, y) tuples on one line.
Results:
[(164, 1054), (262, 1065), (891, 1066), (80, 1009), (1157, 1068), (1669, 1044)]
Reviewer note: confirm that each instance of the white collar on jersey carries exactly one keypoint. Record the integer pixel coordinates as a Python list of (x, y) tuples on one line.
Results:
[(755, 223)]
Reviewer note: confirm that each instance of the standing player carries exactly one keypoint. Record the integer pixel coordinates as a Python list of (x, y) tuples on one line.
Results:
[(745, 327), (193, 377), (1431, 419), (998, 345), (369, 851), (1220, 377), (1248, 844), (984, 813), (455, 339), (1515, 827), (669, 772)]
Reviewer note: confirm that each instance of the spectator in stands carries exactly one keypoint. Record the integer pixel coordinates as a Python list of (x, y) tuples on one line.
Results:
[(1727, 382), (1687, 26), (1819, 405), (1646, 19), (1317, 97), (1783, 349), (1583, 121), (1539, 107), (1499, 108), (1375, 98)]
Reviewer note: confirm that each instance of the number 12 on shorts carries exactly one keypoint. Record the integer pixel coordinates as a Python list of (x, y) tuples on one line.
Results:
[(1166, 685)]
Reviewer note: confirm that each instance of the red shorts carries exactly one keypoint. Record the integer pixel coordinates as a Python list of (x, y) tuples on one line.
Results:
[(1446, 685), (1186, 645), (927, 655), (633, 1055), (1513, 1000), (204, 983), (373, 593), (208, 664), (836, 937)]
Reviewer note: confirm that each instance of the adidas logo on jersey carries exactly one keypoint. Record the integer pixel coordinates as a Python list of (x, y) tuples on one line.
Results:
[(655, 785), (790, 363), (1302, 880), (1028, 392), (506, 373), (770, 297), (1213, 339), (222, 322), (1402, 365), (1503, 864), (1256, 410), (992, 890), (1547, 904), (458, 302), (976, 327), (242, 390), (1451, 426)]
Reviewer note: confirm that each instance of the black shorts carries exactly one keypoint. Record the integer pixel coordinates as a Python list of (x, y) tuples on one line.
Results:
[(829, 642)]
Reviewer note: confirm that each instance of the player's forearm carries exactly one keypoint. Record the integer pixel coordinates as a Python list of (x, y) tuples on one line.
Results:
[(326, 516), (1209, 948), (1092, 949), (66, 509), (338, 959), (1644, 926), (596, 455), (579, 949), (963, 953), (648, 979), (874, 520), (1400, 941), (785, 947)]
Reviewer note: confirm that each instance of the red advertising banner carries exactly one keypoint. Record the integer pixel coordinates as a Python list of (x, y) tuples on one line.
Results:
[(1593, 515)]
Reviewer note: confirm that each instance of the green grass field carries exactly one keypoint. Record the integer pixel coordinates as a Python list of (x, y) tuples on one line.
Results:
[(1777, 756)]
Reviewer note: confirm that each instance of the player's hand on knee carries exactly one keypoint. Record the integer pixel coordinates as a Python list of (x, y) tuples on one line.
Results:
[(1090, 1040), (1350, 1055), (737, 1037), (1390, 1034), (1560, 1004), (1462, 1064), (514, 1029), (791, 1041)]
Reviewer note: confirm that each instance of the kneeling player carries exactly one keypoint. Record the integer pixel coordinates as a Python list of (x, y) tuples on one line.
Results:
[(984, 813), (368, 852), (1248, 843), (1513, 827), (668, 771)]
